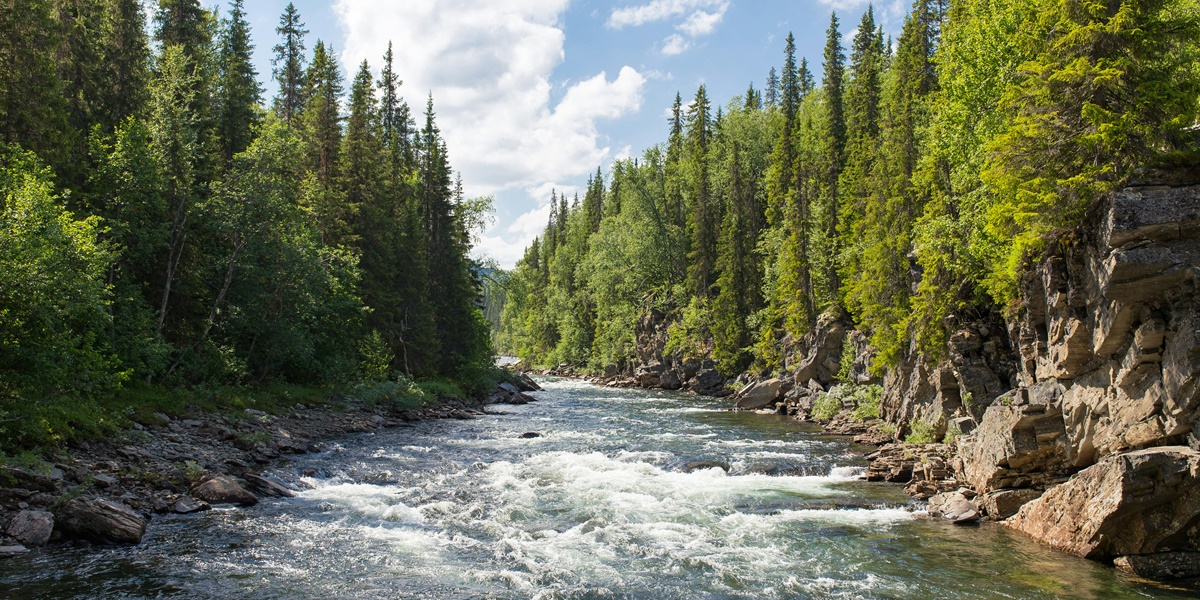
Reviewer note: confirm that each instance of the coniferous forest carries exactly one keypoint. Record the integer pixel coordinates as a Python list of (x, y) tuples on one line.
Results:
[(904, 187), (167, 227)]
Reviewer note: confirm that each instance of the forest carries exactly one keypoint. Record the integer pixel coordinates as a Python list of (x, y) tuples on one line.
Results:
[(904, 187), (166, 229)]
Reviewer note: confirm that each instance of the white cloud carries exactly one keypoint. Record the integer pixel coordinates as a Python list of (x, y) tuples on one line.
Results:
[(675, 44), (700, 17), (701, 23), (488, 64)]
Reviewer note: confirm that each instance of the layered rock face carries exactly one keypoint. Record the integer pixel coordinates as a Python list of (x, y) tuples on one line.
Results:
[(1107, 405)]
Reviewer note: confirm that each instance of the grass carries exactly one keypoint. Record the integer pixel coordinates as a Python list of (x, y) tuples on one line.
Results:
[(33, 430)]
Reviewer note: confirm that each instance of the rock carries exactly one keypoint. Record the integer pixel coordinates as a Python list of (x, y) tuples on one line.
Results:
[(529, 435), (100, 519), (13, 550), (707, 382), (268, 487), (1162, 566), (31, 527), (1002, 504), (1140, 502), (224, 489), (1021, 440), (32, 481), (187, 505), (824, 351), (761, 394), (670, 380), (510, 388), (954, 507), (104, 480)]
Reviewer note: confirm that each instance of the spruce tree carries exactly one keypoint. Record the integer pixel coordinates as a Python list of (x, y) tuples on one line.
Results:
[(125, 88), (835, 148), (238, 94), (701, 227), (772, 96), (33, 107), (288, 65), (862, 142)]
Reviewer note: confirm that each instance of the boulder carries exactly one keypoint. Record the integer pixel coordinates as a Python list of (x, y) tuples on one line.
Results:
[(1002, 504), (1020, 442), (761, 395), (1163, 566), (510, 388), (187, 505), (224, 489), (954, 507), (31, 527), (1140, 502), (670, 381), (707, 382), (267, 487), (100, 519)]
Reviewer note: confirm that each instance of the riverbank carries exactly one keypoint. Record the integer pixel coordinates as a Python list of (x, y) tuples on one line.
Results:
[(108, 490)]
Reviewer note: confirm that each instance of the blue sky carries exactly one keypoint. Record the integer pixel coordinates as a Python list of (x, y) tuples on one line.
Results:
[(533, 95)]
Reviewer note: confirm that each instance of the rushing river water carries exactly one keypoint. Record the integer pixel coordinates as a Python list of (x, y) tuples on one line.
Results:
[(627, 494)]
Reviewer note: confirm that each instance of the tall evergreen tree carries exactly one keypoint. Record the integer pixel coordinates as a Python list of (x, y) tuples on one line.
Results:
[(701, 227), (33, 108), (238, 94), (772, 95), (835, 147), (862, 101), (288, 65), (126, 81)]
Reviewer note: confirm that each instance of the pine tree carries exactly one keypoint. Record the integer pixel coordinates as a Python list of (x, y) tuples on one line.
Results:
[(321, 118), (395, 116), (238, 94), (288, 65), (772, 96), (702, 213), (835, 148), (879, 292), (126, 79), (33, 108), (862, 142)]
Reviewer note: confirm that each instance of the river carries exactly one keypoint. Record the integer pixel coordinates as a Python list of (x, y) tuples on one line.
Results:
[(626, 494)]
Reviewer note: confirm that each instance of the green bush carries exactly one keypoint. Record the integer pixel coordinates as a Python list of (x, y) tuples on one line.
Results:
[(826, 407), (867, 399), (920, 433)]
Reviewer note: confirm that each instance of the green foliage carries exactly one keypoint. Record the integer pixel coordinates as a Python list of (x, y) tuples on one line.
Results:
[(826, 407), (920, 432)]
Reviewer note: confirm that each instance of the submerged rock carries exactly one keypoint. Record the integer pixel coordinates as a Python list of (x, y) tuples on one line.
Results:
[(1164, 566), (1140, 502), (224, 489), (187, 505), (100, 519), (953, 507)]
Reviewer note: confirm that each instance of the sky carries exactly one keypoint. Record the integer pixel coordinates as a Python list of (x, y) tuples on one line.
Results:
[(534, 95)]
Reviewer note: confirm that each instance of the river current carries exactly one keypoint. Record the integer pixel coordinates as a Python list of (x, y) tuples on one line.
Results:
[(625, 494)]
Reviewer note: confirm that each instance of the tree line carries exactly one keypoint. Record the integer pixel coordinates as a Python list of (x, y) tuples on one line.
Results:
[(905, 189), (163, 224)]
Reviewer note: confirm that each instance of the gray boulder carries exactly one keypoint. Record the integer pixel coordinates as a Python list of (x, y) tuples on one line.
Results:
[(100, 519), (1140, 502), (761, 395), (224, 489), (31, 527)]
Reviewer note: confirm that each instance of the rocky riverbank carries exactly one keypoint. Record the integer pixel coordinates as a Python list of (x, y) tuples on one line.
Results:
[(1074, 418), (108, 491)]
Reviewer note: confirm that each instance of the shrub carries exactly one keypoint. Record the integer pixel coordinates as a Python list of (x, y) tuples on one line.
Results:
[(920, 433), (827, 406)]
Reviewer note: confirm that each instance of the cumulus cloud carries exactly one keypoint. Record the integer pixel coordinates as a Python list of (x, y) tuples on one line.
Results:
[(675, 44), (488, 64), (699, 18)]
